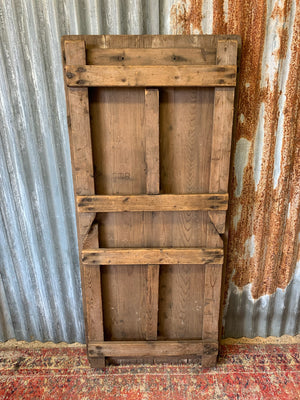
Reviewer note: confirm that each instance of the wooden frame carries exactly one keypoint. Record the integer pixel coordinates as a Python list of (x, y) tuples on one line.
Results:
[(151, 196)]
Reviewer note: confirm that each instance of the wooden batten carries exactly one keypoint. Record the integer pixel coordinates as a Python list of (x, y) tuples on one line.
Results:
[(148, 348), (150, 75), (165, 202), (153, 256)]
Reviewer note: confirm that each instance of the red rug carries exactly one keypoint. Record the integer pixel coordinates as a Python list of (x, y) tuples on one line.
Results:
[(243, 372)]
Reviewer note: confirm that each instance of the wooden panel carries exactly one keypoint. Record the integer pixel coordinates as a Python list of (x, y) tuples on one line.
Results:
[(127, 56), (145, 76), (117, 122), (155, 229), (152, 256), (144, 349), (185, 146), (188, 202), (152, 140), (181, 299), (161, 163)]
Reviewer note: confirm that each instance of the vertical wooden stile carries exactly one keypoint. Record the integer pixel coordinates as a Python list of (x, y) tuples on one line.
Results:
[(152, 187), (83, 180), (222, 131), (218, 183)]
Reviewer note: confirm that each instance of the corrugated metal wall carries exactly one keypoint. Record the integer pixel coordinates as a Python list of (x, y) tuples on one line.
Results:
[(40, 295)]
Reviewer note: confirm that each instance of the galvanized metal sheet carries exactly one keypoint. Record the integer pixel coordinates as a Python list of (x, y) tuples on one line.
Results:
[(40, 296)]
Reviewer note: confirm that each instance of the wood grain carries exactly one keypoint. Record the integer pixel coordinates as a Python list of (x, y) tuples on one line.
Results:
[(150, 75), (93, 295), (80, 135), (177, 202), (151, 56), (146, 348), (83, 182), (222, 131), (152, 256), (213, 277), (152, 140), (152, 301), (117, 121), (161, 174)]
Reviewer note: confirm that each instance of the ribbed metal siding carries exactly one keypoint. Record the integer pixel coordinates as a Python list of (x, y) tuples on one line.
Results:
[(40, 296)]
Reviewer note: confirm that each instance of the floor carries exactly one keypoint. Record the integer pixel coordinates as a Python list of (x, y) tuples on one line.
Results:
[(244, 371)]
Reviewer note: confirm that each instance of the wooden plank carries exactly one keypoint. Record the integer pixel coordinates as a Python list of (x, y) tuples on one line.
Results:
[(176, 202), (117, 120), (150, 56), (152, 140), (218, 218), (206, 42), (93, 296), (92, 279), (185, 118), (152, 301), (152, 188), (82, 170), (210, 355), (146, 348), (222, 132), (80, 135), (212, 291), (145, 76), (153, 256)]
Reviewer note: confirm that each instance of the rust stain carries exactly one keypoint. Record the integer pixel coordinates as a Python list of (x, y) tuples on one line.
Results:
[(265, 210), (186, 16), (269, 218)]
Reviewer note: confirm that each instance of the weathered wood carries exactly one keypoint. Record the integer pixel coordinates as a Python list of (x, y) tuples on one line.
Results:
[(117, 121), (82, 166), (153, 256), (160, 188), (80, 135), (213, 277), (146, 348), (210, 354), (152, 187), (193, 42), (93, 295), (152, 301), (150, 56), (166, 202), (152, 140), (218, 218), (222, 130), (150, 75)]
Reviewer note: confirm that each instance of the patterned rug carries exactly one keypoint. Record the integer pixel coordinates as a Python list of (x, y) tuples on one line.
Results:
[(244, 371)]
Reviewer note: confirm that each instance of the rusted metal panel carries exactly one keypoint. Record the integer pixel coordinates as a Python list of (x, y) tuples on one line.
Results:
[(263, 231), (39, 287)]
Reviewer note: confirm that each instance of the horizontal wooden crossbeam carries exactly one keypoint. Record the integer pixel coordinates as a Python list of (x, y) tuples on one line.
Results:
[(151, 56), (164, 202), (126, 256), (150, 75), (150, 348)]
